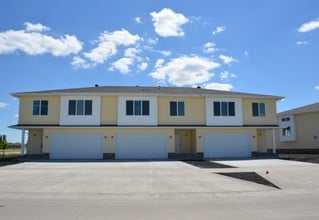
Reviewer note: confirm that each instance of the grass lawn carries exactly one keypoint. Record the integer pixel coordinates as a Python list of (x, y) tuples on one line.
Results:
[(9, 153)]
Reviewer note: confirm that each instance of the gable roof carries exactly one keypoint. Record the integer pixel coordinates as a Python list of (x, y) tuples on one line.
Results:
[(302, 110), (143, 90)]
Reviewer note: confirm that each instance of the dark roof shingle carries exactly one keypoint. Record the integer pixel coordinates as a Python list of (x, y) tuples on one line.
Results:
[(301, 110), (143, 90)]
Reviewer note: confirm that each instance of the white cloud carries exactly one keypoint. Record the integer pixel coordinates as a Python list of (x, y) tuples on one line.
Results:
[(184, 70), (36, 43), (152, 41), (167, 23), (35, 27), (246, 54), (138, 20), (302, 42), (3, 104), (225, 75), (131, 52), (219, 86), (227, 59), (219, 29), (102, 52), (159, 63), (16, 115), (309, 26), (166, 52), (108, 43), (209, 47), (122, 65), (78, 62), (316, 87), (142, 66)]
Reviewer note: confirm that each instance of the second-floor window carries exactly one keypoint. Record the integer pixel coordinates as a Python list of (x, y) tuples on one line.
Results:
[(80, 107), (40, 107), (224, 108), (259, 109), (285, 119), (138, 107), (177, 108)]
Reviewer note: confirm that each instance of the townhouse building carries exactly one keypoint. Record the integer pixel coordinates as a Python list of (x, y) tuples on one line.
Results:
[(137, 122)]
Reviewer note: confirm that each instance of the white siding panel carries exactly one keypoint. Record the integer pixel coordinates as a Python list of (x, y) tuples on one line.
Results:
[(66, 119), (124, 119), (212, 120)]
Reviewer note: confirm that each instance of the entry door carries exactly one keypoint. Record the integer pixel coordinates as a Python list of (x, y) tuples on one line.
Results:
[(177, 143)]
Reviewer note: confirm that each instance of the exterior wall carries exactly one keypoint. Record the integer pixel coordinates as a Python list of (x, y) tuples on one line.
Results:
[(66, 119), (307, 133), (194, 144), (200, 133), (109, 134), (194, 111), (34, 144), (124, 119), (109, 109), (224, 120), (26, 109), (271, 114)]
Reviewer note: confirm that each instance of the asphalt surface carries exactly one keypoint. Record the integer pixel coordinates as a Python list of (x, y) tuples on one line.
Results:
[(157, 190)]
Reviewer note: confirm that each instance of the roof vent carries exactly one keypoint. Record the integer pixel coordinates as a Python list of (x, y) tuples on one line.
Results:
[(96, 85)]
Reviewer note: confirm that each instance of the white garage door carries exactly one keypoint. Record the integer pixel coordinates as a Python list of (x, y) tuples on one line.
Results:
[(141, 146), (76, 146), (227, 145)]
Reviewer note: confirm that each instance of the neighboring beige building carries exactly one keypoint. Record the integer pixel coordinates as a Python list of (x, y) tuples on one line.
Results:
[(299, 129), (146, 122)]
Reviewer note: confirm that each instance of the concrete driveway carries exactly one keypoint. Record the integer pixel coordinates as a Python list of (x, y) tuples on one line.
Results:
[(157, 190), (116, 180)]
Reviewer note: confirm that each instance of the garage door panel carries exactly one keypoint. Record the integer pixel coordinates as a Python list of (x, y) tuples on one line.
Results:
[(76, 146), (141, 146), (227, 145)]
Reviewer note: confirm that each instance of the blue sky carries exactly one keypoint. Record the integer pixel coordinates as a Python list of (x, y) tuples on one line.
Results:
[(268, 47)]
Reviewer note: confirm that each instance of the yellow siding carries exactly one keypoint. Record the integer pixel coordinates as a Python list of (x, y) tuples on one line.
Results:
[(307, 126), (109, 135), (200, 133), (194, 111), (271, 114), (26, 108), (109, 110)]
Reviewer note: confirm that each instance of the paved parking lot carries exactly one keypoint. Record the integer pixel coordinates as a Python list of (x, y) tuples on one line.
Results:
[(116, 180), (84, 190)]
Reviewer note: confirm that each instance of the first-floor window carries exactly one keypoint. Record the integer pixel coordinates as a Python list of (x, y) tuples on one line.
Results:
[(224, 108), (40, 107), (286, 132), (259, 109), (137, 107), (80, 107), (177, 108)]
